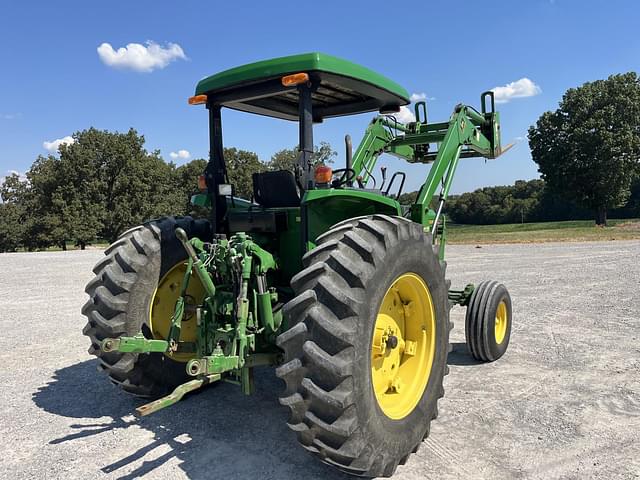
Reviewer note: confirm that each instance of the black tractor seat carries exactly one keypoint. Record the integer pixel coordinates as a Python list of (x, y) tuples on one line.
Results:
[(276, 189)]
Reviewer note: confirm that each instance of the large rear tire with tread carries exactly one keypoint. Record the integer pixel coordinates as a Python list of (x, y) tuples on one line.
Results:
[(120, 298), (328, 345)]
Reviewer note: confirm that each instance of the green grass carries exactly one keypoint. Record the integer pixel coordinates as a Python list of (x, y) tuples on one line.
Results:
[(574, 230)]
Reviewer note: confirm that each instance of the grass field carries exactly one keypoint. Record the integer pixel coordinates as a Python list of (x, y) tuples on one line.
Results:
[(571, 231)]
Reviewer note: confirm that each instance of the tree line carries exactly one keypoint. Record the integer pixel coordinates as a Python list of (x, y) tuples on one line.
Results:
[(106, 182), (527, 201)]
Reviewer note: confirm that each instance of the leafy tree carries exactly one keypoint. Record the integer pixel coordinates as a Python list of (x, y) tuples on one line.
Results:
[(11, 227), (46, 224), (287, 158), (13, 192), (408, 198), (100, 185), (185, 178), (112, 183), (241, 165), (633, 205), (13, 189), (588, 150), (73, 203)]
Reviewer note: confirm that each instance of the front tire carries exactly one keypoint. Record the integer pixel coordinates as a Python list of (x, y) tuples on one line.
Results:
[(121, 297), (488, 321), (333, 362)]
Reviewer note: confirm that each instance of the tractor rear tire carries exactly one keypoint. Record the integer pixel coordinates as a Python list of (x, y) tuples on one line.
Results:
[(488, 321), (330, 367), (120, 297)]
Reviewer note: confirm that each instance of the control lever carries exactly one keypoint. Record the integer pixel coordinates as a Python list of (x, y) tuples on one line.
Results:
[(384, 176)]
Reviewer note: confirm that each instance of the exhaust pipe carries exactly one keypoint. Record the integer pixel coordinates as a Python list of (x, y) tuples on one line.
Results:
[(349, 155)]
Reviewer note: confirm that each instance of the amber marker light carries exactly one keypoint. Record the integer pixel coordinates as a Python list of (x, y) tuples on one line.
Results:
[(295, 79), (197, 100), (202, 183), (323, 174)]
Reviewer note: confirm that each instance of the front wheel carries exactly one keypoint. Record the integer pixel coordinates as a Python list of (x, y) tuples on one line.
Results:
[(488, 321), (365, 354)]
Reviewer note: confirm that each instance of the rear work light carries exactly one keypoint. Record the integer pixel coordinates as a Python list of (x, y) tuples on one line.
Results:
[(202, 183)]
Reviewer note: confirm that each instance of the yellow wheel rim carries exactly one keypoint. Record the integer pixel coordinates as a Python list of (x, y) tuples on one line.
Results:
[(403, 346), (164, 301), (501, 322)]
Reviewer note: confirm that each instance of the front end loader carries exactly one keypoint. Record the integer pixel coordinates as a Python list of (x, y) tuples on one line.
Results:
[(322, 274)]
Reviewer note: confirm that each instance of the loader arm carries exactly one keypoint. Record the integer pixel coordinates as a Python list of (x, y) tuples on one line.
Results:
[(468, 133), (377, 139)]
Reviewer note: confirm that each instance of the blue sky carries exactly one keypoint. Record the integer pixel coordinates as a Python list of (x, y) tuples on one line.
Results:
[(54, 82)]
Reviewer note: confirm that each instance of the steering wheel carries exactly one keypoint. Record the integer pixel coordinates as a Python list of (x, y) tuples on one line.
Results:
[(348, 176)]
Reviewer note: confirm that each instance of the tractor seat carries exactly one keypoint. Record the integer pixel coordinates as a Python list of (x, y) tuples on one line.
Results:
[(276, 189)]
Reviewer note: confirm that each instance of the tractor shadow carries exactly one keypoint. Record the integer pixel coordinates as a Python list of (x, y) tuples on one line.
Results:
[(461, 356), (215, 433)]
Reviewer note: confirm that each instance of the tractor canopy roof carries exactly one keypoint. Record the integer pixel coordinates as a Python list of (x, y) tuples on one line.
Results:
[(339, 88)]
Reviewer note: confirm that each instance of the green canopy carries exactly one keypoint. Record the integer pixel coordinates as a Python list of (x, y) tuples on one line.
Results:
[(340, 87)]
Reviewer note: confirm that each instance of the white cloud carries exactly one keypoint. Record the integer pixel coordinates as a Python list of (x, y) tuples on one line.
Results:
[(10, 116), (181, 154), (417, 97), (54, 145), (141, 58), (520, 139), (405, 115), (518, 89)]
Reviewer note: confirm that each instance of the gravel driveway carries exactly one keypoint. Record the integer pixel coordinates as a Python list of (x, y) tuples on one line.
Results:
[(564, 402)]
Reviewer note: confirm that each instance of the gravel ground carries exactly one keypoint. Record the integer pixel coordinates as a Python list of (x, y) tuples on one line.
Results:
[(564, 402)]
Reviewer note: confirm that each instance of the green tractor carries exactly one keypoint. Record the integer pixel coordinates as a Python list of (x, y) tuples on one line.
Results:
[(322, 274)]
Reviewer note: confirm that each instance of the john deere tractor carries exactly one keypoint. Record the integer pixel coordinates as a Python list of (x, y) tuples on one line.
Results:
[(322, 273)]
